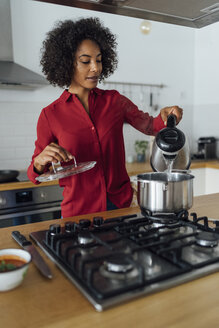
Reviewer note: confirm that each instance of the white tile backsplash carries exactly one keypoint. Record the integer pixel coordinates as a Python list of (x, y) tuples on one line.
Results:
[(15, 164), (18, 133), (11, 141), (26, 129), (7, 153), (23, 152), (6, 129)]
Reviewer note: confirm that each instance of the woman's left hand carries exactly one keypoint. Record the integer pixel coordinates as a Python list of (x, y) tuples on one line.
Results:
[(176, 110)]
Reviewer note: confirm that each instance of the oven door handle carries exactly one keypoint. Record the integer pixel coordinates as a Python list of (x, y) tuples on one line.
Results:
[(18, 214)]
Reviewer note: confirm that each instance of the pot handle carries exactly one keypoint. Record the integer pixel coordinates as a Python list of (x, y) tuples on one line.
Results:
[(165, 186), (134, 178)]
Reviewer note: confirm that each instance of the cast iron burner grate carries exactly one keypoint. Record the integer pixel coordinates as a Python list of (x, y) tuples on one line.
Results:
[(120, 258), (165, 217)]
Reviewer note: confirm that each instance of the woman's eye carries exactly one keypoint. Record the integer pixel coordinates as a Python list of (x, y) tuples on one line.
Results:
[(88, 62)]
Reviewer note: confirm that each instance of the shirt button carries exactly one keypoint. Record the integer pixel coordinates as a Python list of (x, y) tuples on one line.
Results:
[(92, 128)]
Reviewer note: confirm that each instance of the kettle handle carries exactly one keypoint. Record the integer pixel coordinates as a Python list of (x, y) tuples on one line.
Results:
[(171, 121)]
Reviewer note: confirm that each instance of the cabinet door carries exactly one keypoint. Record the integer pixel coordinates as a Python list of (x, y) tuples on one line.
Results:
[(206, 181), (211, 181), (199, 182)]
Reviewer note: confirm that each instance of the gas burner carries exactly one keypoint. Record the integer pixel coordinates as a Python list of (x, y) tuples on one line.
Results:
[(84, 238), (165, 218), (119, 267), (118, 264), (161, 223), (206, 239)]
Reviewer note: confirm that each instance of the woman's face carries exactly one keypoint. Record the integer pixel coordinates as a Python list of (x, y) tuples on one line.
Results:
[(87, 66)]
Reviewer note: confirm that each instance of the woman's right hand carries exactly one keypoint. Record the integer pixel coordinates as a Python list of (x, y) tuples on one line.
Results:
[(51, 153)]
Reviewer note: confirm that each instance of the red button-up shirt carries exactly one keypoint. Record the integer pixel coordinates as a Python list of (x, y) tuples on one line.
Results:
[(94, 137)]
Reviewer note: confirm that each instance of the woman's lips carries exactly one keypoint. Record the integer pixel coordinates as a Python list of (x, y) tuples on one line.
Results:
[(93, 78)]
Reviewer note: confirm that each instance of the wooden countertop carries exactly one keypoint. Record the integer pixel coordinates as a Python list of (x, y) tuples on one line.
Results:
[(138, 168), (132, 168), (57, 303), (24, 185)]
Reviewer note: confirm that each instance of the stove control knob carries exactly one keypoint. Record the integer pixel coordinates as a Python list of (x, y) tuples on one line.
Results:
[(70, 226), (55, 229), (2, 201), (97, 221), (43, 194), (84, 223)]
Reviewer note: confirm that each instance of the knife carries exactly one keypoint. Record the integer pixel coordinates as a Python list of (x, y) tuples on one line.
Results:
[(36, 257)]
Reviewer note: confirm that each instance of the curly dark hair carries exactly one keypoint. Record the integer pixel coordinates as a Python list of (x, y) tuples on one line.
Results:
[(59, 48)]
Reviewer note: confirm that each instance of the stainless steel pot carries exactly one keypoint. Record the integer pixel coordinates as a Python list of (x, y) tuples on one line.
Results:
[(165, 192)]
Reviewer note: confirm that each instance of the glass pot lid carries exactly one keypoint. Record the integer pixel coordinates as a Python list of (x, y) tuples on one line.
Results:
[(60, 172)]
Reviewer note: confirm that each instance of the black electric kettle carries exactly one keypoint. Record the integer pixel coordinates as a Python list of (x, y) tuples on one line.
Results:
[(170, 149)]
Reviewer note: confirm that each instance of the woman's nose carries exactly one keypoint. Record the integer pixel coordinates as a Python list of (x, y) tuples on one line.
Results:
[(94, 66)]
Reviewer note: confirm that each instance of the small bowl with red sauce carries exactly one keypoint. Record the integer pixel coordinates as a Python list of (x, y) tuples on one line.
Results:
[(13, 267)]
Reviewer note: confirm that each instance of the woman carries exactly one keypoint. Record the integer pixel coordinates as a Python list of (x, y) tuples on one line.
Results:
[(85, 121)]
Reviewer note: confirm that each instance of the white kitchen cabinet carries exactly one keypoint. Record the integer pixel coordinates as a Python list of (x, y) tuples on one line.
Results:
[(199, 182), (211, 181), (206, 181)]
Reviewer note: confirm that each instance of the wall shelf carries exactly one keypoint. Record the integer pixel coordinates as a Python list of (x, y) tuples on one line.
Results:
[(150, 85)]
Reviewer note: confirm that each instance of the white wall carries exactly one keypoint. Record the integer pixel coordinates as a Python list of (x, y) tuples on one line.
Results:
[(166, 56), (206, 83)]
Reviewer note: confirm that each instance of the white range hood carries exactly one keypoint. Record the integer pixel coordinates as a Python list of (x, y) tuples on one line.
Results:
[(192, 13), (13, 75)]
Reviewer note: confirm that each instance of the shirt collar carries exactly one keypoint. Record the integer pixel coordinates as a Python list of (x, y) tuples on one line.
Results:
[(65, 96), (98, 91)]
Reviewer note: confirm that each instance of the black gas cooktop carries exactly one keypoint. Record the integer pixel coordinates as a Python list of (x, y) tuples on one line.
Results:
[(118, 259)]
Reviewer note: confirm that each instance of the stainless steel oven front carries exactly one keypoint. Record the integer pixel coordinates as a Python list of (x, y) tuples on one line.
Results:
[(30, 205)]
